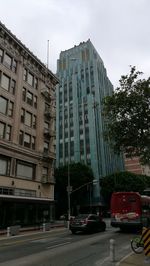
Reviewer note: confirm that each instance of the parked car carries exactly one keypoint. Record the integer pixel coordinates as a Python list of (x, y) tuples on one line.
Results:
[(87, 223)]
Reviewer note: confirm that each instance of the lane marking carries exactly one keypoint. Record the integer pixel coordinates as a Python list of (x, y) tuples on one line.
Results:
[(101, 262), (58, 245)]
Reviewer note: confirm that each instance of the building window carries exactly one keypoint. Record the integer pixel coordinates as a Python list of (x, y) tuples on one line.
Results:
[(66, 149), (61, 133), (3, 105), (34, 121), (25, 74), (35, 101), (86, 118), (46, 146), (6, 191), (66, 134), (29, 98), (2, 130), (10, 109), (28, 119), (30, 79), (5, 82), (46, 125), (35, 83), (47, 107), (24, 94), (21, 137), (45, 171), (71, 148), (60, 97), (13, 86), (33, 142), (14, 66), (71, 133), (22, 115), (83, 55), (7, 61), (25, 192), (25, 170), (8, 132), (71, 121), (4, 165), (65, 96), (27, 140), (82, 147), (1, 55), (60, 150)]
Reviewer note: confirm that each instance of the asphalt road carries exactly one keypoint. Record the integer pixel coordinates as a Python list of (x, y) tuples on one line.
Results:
[(61, 248)]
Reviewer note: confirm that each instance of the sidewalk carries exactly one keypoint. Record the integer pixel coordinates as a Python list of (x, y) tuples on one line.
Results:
[(33, 230), (133, 259)]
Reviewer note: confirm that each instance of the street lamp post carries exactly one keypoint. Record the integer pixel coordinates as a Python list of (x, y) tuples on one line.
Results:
[(70, 191), (94, 182), (69, 188)]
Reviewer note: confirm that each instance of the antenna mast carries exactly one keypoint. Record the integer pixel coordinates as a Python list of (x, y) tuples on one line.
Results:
[(47, 54)]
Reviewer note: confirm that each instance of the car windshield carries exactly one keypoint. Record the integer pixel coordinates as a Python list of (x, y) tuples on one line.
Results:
[(81, 216)]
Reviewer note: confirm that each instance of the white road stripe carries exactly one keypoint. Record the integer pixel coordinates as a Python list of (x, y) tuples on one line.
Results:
[(58, 245)]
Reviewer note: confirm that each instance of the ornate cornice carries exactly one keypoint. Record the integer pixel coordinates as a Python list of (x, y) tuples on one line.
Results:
[(10, 41)]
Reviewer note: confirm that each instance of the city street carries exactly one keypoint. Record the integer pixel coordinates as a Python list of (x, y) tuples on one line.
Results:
[(60, 247)]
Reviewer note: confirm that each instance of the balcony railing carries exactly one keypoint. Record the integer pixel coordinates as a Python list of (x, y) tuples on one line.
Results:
[(45, 92), (46, 153), (47, 180), (49, 133), (49, 112), (46, 132)]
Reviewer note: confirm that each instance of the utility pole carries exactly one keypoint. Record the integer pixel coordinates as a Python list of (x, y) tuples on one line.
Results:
[(69, 190)]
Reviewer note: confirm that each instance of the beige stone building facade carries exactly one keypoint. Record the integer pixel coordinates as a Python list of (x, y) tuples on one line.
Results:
[(27, 134), (133, 165)]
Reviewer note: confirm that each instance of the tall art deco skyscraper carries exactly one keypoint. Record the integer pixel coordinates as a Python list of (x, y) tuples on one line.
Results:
[(80, 123)]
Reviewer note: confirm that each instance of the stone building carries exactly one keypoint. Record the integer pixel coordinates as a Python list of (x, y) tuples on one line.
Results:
[(27, 134)]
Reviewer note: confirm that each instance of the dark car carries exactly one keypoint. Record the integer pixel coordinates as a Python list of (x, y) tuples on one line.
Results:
[(87, 223)]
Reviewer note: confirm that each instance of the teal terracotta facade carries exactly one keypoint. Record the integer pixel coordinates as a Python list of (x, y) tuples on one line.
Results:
[(79, 120)]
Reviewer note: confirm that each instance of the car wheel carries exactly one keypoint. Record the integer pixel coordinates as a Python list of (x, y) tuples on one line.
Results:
[(73, 232)]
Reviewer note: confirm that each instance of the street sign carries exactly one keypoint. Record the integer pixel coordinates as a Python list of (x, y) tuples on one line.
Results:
[(95, 181)]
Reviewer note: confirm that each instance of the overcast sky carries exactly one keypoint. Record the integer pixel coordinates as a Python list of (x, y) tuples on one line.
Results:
[(119, 30)]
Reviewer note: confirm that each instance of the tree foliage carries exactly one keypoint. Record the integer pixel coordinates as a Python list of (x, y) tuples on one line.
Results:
[(123, 181), (79, 174), (128, 116)]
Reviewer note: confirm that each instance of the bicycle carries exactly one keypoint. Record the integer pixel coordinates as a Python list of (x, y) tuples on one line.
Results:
[(137, 244)]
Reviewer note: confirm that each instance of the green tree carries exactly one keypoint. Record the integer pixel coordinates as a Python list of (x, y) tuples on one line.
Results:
[(80, 174), (128, 116), (123, 181)]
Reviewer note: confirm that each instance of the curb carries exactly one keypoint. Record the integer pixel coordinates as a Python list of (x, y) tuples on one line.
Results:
[(31, 232), (124, 258)]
